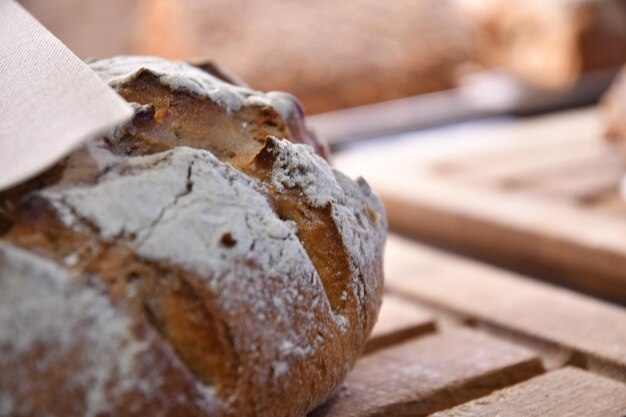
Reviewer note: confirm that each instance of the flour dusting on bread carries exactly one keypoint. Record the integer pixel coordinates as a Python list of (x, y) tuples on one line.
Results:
[(42, 304), (237, 267)]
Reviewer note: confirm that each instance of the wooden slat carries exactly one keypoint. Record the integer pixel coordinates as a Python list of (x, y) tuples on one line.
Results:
[(572, 326), (430, 373), (562, 393), (398, 320), (459, 188), (544, 159), (562, 178), (600, 180)]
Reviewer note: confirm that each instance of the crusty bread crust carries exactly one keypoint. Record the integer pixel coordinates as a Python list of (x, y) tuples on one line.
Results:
[(249, 267), (68, 350)]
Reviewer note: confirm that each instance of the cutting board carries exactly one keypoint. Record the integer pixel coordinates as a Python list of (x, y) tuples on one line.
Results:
[(539, 195)]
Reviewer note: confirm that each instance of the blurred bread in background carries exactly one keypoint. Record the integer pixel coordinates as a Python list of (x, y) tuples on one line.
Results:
[(89, 28), (330, 54), (548, 43)]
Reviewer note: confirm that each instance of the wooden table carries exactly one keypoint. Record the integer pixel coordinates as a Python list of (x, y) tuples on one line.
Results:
[(458, 336), (538, 195), (486, 340)]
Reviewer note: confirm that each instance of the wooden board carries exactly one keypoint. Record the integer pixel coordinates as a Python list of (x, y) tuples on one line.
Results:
[(398, 320), (538, 195), (566, 326), (491, 327), (566, 392), (430, 373)]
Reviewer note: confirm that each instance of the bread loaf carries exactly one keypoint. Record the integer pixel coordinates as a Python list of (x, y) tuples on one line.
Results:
[(548, 43), (197, 261), (331, 55)]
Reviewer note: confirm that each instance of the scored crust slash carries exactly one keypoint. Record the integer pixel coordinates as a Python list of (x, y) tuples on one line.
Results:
[(200, 260)]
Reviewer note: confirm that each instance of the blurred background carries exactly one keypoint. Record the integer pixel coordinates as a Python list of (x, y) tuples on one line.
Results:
[(487, 56), (336, 55), (483, 124)]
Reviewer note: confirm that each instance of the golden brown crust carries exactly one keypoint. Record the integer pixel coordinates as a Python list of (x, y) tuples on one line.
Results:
[(174, 118)]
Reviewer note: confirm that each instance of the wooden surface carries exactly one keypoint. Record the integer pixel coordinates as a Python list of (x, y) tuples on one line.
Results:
[(398, 320), (567, 327), (538, 195), (493, 330), (429, 374), (562, 393)]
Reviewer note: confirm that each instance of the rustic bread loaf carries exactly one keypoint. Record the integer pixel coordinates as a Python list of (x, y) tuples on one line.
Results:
[(330, 54), (548, 43), (189, 263)]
